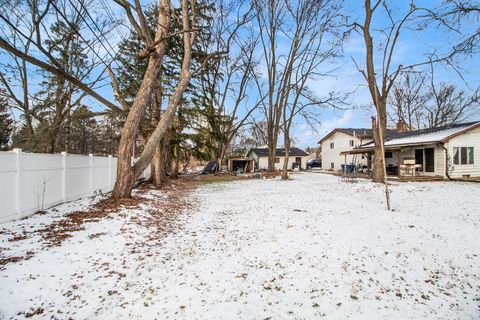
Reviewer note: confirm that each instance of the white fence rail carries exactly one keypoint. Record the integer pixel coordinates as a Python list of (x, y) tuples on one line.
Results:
[(30, 182)]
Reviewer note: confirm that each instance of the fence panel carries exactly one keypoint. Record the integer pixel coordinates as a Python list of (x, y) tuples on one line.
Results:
[(8, 184), (30, 182), (41, 182)]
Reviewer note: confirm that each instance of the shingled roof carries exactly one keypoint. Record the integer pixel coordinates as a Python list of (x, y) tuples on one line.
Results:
[(280, 152), (430, 135), (362, 133)]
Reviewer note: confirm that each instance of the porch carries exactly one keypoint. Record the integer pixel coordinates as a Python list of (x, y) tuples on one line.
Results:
[(415, 162)]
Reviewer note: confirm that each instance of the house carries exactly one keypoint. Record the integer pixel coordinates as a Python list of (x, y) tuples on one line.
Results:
[(340, 140), (451, 151), (295, 155)]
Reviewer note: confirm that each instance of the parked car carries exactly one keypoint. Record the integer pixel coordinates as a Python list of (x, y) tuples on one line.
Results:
[(314, 163)]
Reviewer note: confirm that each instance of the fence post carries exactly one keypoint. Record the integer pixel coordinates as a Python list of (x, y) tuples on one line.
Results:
[(18, 182), (64, 176), (109, 171), (91, 173)]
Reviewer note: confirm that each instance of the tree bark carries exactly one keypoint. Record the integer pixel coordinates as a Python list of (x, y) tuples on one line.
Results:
[(126, 174), (285, 163)]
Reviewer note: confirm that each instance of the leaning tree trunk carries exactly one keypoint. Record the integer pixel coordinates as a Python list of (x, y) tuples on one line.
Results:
[(126, 175), (167, 118)]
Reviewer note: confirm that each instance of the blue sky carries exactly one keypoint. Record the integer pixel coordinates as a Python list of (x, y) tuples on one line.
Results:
[(411, 48)]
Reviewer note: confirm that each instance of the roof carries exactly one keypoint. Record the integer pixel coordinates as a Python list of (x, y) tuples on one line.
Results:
[(362, 133), (280, 152), (430, 135)]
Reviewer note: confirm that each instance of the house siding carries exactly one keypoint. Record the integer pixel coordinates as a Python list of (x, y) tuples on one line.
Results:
[(440, 161), (467, 139), (341, 142), (263, 162)]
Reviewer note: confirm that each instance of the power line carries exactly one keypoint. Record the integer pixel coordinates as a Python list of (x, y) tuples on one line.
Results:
[(78, 33), (93, 32)]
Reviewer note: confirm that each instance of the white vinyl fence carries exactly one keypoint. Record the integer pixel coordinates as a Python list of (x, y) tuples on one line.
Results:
[(30, 182)]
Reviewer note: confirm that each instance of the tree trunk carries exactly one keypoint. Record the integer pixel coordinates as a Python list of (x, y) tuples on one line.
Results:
[(378, 164), (272, 148), (285, 163), (126, 175), (157, 160)]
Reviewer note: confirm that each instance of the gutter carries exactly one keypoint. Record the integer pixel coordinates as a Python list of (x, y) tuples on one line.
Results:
[(446, 162)]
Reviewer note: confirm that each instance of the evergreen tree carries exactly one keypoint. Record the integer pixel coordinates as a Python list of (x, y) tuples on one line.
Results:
[(6, 123)]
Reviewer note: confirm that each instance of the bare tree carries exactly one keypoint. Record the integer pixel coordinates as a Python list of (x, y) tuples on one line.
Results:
[(314, 22), (290, 35), (227, 78), (408, 98), (421, 103), (448, 105), (453, 14)]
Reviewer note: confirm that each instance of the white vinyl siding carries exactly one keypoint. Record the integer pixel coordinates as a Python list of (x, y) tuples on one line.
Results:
[(263, 162), (468, 139), (341, 143)]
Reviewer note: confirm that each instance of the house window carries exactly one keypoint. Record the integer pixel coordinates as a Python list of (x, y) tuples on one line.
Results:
[(332, 165), (352, 143), (463, 155), (388, 155), (332, 145), (277, 160)]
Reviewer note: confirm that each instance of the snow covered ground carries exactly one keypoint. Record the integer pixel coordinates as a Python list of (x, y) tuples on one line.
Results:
[(307, 248)]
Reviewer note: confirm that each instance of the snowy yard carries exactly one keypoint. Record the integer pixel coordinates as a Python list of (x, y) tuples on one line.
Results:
[(308, 248)]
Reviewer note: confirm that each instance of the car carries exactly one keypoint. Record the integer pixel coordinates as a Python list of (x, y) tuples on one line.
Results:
[(314, 163)]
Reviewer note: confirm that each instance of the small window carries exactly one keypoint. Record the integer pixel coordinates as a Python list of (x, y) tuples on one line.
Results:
[(332, 165), (277, 160), (332, 145), (470, 155), (352, 143), (363, 156), (388, 155), (456, 156), (463, 155)]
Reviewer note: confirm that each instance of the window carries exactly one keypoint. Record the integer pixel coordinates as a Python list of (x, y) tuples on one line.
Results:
[(352, 143), (332, 145), (332, 165), (388, 155), (363, 156), (277, 160), (463, 155), (456, 156)]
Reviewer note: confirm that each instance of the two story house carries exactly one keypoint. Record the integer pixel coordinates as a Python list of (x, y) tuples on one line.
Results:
[(340, 140)]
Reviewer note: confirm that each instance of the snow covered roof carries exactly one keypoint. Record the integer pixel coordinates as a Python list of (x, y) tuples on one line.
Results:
[(431, 135), (280, 152), (361, 133)]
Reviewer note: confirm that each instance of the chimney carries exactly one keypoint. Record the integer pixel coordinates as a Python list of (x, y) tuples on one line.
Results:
[(401, 126)]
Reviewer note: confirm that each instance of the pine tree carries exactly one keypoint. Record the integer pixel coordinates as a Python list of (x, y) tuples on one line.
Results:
[(6, 123)]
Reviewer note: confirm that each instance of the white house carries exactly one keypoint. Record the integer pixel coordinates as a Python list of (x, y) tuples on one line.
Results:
[(295, 155), (340, 140), (449, 152)]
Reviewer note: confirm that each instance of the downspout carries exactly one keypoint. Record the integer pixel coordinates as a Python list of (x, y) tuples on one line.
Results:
[(446, 162)]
